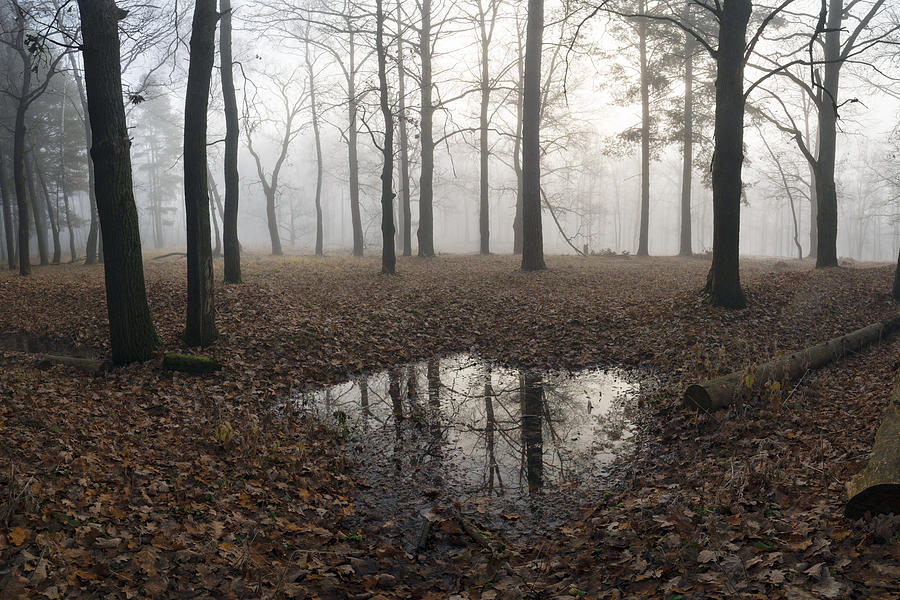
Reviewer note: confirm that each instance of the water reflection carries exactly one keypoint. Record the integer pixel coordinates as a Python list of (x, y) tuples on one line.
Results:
[(483, 429)]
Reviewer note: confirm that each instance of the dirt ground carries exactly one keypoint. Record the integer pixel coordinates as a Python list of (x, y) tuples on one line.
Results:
[(143, 483)]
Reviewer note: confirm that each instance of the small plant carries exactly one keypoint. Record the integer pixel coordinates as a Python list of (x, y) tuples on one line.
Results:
[(224, 434)]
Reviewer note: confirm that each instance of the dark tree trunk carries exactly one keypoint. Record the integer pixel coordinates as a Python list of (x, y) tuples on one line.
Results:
[(644, 229), (405, 210), (52, 211), (9, 234), (314, 107), (826, 190), (484, 223), (232, 247), (91, 253), (532, 234), (19, 177), (425, 232), (272, 221), (201, 327), (352, 150), (62, 187), (388, 258), (37, 212), (687, 166), (724, 283), (131, 333)]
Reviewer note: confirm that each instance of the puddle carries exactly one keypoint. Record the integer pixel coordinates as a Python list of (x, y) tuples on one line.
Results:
[(20, 342), (512, 446)]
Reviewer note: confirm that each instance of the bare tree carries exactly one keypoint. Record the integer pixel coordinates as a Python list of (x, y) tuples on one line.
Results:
[(232, 247), (532, 233), (388, 257)]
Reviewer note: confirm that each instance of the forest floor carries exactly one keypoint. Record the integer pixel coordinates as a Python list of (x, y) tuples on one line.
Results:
[(129, 484)]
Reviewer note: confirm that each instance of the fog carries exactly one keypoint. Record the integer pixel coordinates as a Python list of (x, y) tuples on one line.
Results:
[(591, 129)]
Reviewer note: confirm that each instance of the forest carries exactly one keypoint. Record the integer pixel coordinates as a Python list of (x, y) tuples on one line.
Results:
[(450, 299)]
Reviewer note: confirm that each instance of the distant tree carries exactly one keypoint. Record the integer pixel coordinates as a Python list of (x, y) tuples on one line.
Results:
[(131, 333), (232, 247), (532, 233), (200, 329), (404, 210), (317, 137), (388, 257), (896, 291)]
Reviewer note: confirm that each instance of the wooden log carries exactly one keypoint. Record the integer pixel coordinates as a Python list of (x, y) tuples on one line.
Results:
[(189, 363), (721, 392), (91, 365), (876, 489)]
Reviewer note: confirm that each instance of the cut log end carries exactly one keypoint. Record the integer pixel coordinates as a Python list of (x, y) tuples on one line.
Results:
[(878, 499), (698, 398), (188, 363)]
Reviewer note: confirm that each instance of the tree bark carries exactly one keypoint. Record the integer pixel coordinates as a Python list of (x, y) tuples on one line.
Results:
[(388, 258), (826, 190), (405, 209), (532, 234), (19, 177), (314, 107), (9, 234), (425, 232), (687, 164), (200, 329), (131, 333), (724, 283), (51, 213), (721, 392), (644, 228), (352, 149), (876, 489), (517, 148), (232, 247), (91, 251), (37, 211), (484, 223)]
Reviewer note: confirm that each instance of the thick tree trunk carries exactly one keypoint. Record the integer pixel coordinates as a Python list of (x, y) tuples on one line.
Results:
[(721, 392), (425, 232), (352, 149), (9, 234), (532, 233), (876, 489), (19, 176), (38, 212), (517, 148), (405, 209), (388, 258), (131, 333), (232, 247), (200, 329), (687, 164), (52, 212), (724, 283), (644, 228), (826, 190), (91, 252), (314, 107)]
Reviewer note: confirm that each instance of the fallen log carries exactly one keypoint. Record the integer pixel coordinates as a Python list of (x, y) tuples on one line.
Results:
[(91, 365), (876, 489), (189, 363), (721, 392)]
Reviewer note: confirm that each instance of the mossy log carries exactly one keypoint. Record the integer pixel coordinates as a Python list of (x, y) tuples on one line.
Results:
[(91, 365), (189, 363), (876, 489), (721, 392)]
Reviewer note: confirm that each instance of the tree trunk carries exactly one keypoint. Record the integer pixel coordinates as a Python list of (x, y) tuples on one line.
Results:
[(425, 232), (19, 177), (388, 258), (131, 333), (405, 209), (721, 392), (232, 246), (214, 194), (876, 489), (484, 223), (9, 234), (272, 221), (200, 329), (314, 107), (51, 213), (37, 211), (91, 253), (532, 234), (724, 283), (62, 186), (826, 190), (352, 133), (687, 165), (517, 148), (644, 229)]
